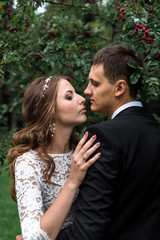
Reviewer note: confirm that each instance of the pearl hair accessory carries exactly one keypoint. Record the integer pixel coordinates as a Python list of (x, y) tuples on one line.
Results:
[(52, 129), (46, 85)]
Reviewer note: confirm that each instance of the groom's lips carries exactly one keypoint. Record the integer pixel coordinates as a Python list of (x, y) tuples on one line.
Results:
[(91, 100)]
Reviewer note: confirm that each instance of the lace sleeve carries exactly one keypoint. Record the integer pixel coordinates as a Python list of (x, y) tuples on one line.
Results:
[(29, 199)]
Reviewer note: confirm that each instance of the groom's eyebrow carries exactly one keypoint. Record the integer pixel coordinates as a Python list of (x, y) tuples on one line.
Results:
[(93, 80)]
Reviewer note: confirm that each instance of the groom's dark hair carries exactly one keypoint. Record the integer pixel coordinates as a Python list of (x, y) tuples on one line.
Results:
[(115, 61)]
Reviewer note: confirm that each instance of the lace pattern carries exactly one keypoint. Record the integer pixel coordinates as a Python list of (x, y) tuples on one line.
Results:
[(35, 195)]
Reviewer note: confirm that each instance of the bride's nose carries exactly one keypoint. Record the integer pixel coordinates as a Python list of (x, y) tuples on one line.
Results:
[(81, 100)]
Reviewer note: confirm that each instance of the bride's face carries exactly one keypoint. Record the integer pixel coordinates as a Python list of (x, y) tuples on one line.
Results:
[(70, 109)]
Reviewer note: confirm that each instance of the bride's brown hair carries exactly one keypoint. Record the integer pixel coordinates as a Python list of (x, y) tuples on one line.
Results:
[(38, 109)]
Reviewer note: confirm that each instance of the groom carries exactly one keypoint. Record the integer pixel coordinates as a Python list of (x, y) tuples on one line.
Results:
[(120, 196)]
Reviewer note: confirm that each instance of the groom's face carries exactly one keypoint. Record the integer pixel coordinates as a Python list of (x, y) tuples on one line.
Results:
[(101, 91)]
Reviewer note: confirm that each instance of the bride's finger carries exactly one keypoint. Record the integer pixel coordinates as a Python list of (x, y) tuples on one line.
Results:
[(90, 151), (81, 142), (87, 145), (87, 164)]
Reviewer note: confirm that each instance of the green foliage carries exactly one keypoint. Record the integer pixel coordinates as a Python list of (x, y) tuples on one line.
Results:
[(9, 220), (141, 31), (5, 140), (136, 75), (63, 39)]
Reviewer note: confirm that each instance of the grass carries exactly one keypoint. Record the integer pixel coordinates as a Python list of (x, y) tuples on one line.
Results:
[(9, 220)]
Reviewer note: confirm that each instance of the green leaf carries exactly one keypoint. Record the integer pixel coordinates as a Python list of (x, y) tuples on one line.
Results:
[(134, 78), (134, 65)]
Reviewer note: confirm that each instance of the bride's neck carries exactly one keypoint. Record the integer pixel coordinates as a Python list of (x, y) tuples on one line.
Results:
[(60, 142)]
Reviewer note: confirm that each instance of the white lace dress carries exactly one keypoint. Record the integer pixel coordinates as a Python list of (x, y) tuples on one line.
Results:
[(35, 195)]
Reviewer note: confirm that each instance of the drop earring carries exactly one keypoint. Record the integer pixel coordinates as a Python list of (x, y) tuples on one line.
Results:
[(52, 129)]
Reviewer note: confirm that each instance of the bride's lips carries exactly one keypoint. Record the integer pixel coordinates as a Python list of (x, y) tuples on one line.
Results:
[(83, 110)]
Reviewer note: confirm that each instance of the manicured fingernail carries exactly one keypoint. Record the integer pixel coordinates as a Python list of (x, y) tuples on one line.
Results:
[(99, 154), (98, 144), (94, 137), (86, 133)]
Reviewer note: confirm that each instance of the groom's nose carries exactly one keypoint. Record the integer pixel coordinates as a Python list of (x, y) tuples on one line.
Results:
[(88, 91)]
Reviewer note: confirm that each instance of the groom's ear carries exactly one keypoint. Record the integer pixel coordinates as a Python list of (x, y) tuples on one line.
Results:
[(120, 88)]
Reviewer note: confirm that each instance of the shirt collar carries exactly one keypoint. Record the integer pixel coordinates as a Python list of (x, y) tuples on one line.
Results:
[(126, 105)]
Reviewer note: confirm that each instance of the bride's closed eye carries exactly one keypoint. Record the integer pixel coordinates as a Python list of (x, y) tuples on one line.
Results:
[(69, 97)]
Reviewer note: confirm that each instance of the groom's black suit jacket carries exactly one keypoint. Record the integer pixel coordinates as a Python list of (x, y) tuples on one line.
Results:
[(120, 196)]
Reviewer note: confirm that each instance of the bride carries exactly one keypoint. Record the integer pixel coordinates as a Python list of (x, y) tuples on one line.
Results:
[(47, 163)]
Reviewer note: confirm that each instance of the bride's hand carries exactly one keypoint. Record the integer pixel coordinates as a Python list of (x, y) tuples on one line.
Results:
[(19, 237), (81, 154)]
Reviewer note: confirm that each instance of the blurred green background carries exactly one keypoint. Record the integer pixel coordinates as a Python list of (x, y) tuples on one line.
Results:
[(9, 221)]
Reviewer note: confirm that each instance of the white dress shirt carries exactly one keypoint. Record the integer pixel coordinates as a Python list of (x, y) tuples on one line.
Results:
[(126, 105)]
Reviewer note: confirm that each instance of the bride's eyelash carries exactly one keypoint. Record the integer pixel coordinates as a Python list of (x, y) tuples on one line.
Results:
[(69, 97)]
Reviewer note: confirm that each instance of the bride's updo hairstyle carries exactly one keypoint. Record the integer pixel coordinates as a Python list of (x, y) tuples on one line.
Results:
[(38, 109)]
